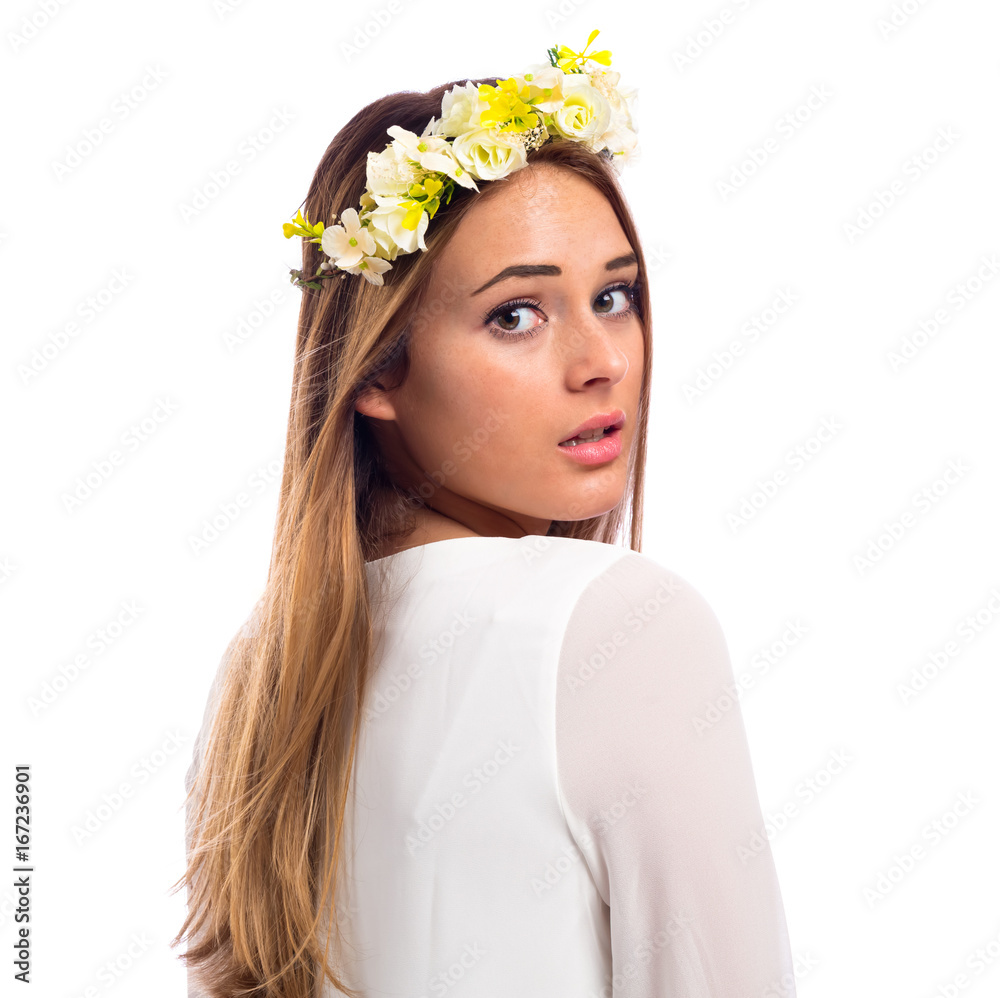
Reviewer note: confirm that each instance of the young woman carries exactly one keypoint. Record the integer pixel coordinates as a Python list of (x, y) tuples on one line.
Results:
[(462, 741)]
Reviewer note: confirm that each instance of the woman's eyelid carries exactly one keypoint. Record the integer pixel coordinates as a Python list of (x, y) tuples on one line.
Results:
[(625, 283), (531, 301)]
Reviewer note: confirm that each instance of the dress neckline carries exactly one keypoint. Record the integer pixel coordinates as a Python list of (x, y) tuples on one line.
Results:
[(444, 542)]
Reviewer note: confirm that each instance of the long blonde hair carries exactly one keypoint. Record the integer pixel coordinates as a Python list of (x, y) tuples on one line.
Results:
[(268, 801)]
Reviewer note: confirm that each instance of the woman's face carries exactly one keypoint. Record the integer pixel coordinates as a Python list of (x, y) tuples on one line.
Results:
[(505, 366)]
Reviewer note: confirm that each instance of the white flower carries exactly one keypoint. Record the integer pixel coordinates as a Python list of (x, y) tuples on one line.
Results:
[(606, 81), (460, 111), (585, 113), (620, 136), (390, 171), (386, 224), (372, 268), (544, 77), (433, 153), (488, 153), (347, 243)]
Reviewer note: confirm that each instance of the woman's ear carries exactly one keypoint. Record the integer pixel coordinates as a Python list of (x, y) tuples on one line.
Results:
[(374, 402)]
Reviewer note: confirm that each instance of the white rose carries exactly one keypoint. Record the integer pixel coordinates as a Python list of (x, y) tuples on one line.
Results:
[(584, 115), (385, 222), (460, 111), (489, 154)]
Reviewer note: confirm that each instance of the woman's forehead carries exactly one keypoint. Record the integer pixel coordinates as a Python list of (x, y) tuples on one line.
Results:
[(560, 223)]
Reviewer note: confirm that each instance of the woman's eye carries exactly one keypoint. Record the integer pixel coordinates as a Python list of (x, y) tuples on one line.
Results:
[(510, 319), (604, 301)]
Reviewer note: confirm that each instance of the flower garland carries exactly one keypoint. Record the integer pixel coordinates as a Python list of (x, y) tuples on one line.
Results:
[(483, 133)]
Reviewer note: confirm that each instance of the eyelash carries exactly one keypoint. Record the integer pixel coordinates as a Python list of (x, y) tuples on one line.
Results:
[(512, 306)]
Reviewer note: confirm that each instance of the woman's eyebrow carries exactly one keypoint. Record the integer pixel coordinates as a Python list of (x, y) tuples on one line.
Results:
[(548, 269)]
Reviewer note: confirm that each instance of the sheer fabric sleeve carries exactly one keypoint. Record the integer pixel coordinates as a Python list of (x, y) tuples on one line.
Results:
[(664, 809)]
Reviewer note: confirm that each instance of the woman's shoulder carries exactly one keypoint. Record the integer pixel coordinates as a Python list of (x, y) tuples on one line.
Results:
[(619, 591), (618, 573)]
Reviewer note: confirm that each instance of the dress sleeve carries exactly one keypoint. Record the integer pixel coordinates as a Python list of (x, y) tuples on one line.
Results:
[(661, 802)]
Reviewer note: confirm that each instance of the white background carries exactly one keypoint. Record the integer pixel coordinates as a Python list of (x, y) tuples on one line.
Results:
[(209, 79)]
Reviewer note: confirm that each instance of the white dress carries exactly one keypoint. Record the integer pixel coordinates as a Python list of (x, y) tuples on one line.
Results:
[(540, 808)]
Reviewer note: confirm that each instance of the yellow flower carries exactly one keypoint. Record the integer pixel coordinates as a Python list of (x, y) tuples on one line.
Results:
[(300, 226), (424, 196), (509, 106), (386, 224), (570, 62)]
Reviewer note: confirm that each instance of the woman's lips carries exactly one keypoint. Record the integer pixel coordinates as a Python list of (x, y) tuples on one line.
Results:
[(599, 420), (599, 451)]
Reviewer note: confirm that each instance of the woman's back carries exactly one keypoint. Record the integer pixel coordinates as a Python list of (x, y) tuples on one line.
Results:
[(536, 807)]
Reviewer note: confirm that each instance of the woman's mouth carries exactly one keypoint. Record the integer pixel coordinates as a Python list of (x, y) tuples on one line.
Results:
[(594, 446)]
